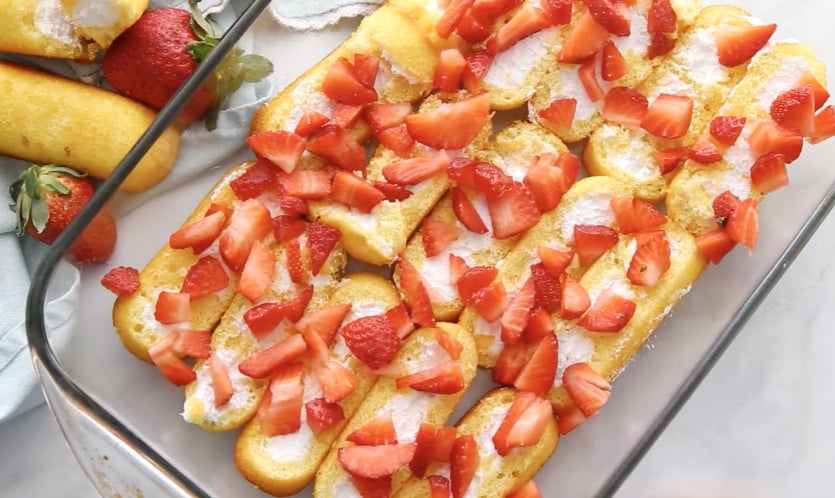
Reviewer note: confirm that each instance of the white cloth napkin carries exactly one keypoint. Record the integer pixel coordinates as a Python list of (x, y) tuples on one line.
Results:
[(316, 14)]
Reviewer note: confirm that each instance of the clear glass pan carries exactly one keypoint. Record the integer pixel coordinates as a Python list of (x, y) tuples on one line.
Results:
[(122, 421)]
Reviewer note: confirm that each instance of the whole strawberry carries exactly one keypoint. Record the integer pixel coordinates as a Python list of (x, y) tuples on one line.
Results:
[(150, 60)]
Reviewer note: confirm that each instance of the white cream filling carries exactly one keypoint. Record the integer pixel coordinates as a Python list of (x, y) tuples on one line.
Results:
[(307, 97), (638, 40), (511, 68), (93, 13), (590, 210), (574, 347), (782, 80), (204, 392), (53, 22), (701, 58), (635, 160), (572, 87), (295, 446)]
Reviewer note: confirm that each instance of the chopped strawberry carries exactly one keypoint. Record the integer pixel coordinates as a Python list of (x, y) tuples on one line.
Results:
[(490, 10), (743, 225), (737, 44), (337, 146), (463, 464), (574, 301), (192, 343), (527, 490), (613, 65), (453, 125), (634, 215), (257, 178), (668, 116), (172, 307), (392, 192), (282, 148), (342, 85), (437, 235), (310, 122), (668, 159), (449, 344), (214, 208), (372, 339), (795, 110), (415, 290), (569, 419), (295, 262), (324, 322), (442, 379), (769, 136), (292, 206), (819, 91), (451, 17), (510, 362), (399, 317), (715, 244), (537, 376), (321, 239), (659, 46), (250, 221), (449, 69), (337, 381), (661, 17), (570, 166), (257, 274), (457, 267), (625, 106), (523, 424), (555, 261), (288, 227), (547, 287), (263, 363), (560, 112), (372, 488), (375, 461), (588, 78), (704, 151), (529, 19), (474, 280), (169, 364), (198, 234), (609, 313), (462, 171), (558, 11), (726, 129), (650, 262), (478, 63), (377, 431), (724, 205), (539, 325), (221, 383), (121, 280), (397, 139), (769, 173), (311, 184), (546, 181), (591, 241), (366, 67), (351, 190), (384, 116), (466, 212), (824, 126), (262, 319), (513, 209), (345, 115), (322, 415), (515, 316), (417, 169), (425, 442), (611, 15), (472, 29), (281, 407), (491, 301), (587, 388), (586, 38)]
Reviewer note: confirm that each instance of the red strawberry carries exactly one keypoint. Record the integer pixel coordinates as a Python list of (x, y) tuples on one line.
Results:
[(824, 125), (336, 380), (310, 122), (343, 85), (452, 15), (250, 221), (169, 364), (537, 376), (634, 215), (609, 313), (437, 235), (554, 260), (513, 210), (575, 300), (281, 407), (668, 116), (372, 339), (625, 106), (205, 277), (463, 464), (366, 67), (588, 78), (346, 115), (737, 44), (560, 112), (661, 17), (473, 29), (569, 419), (392, 192), (715, 244), (570, 166), (121, 280), (546, 181), (587, 388), (491, 301), (452, 125), (384, 116), (449, 344), (221, 383), (704, 151), (322, 415), (523, 424), (769, 136), (819, 91), (399, 317), (96, 242), (769, 173), (724, 205), (515, 316), (474, 280), (478, 63), (172, 307), (262, 319), (529, 19), (457, 268), (288, 227), (311, 184), (795, 109), (321, 239), (547, 287), (442, 379), (257, 274), (449, 69), (466, 212), (726, 129), (282, 148), (611, 15), (490, 10), (650, 261), (198, 234), (375, 432), (295, 262), (510, 362), (527, 490), (417, 169), (415, 291), (351, 190), (263, 363), (668, 159), (337, 146), (613, 66), (397, 139), (591, 241), (659, 46), (743, 225), (292, 206), (433, 443), (539, 325), (192, 343), (558, 11), (324, 322), (375, 461)]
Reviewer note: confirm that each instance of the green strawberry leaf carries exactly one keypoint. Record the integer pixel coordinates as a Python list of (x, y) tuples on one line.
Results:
[(199, 50), (40, 214), (255, 67)]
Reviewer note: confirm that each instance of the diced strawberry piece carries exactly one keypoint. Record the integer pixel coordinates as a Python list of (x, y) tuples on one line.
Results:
[(310, 122), (490, 10), (415, 290), (478, 63), (613, 65), (372, 339), (372, 488), (384, 116), (560, 112), (376, 432), (292, 206), (462, 171), (442, 379), (453, 125), (539, 325), (769, 173), (527, 490), (451, 17), (342, 85), (282, 148), (449, 69), (472, 29), (824, 126), (661, 17), (457, 267), (609, 313), (321, 239), (668, 116), (737, 44), (121, 280), (574, 300), (490, 302), (169, 364), (510, 362), (437, 235), (337, 146), (715, 244), (726, 129), (399, 317), (512, 208), (634, 215), (588, 77), (392, 192), (257, 178), (558, 11), (337, 381), (417, 169), (250, 221), (172, 307), (375, 461), (743, 225), (295, 263), (263, 363), (555, 261), (570, 166), (769, 136), (523, 424), (444, 439), (221, 383), (324, 322), (659, 46), (288, 227), (257, 273), (265, 317), (313, 184), (449, 344), (669, 159), (192, 343), (351, 190), (704, 151), (525, 22), (587, 388), (466, 212), (650, 262), (537, 376), (474, 280), (199, 233), (611, 15), (515, 316), (547, 287), (366, 67), (397, 139), (345, 115), (591, 241), (724, 205), (427, 439), (463, 464), (214, 208), (281, 407), (795, 110), (625, 106), (322, 415), (570, 419), (820, 92)]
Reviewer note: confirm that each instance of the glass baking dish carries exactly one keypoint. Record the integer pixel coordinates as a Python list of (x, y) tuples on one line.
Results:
[(122, 421)]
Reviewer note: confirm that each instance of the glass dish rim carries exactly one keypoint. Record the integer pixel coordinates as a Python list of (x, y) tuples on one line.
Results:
[(43, 355)]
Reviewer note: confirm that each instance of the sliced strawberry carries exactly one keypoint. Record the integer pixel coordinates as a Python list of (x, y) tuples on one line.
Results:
[(258, 177), (265, 317), (669, 159), (351, 190), (820, 92), (527, 490), (613, 65), (249, 222), (372, 488), (462, 171), (510, 362), (547, 287), (282, 148), (715, 244), (281, 407), (288, 227), (570, 419), (428, 438), (560, 112), (743, 225), (546, 181), (769, 173), (451, 17), (726, 129), (724, 205), (574, 301), (609, 313), (558, 11), (634, 215), (513, 210), (769, 136), (169, 364), (490, 10), (198, 234), (474, 280), (384, 116), (399, 317), (296, 263), (322, 415), (570, 166), (668, 116), (704, 151), (397, 139), (659, 46), (324, 322), (172, 307), (337, 146), (205, 277), (293, 206), (437, 235), (442, 379), (523, 424), (192, 343), (337, 381), (313, 184), (375, 461), (310, 122), (611, 15), (463, 465), (449, 344), (625, 106), (529, 19), (345, 115), (661, 17), (257, 274), (417, 169), (453, 125), (466, 212), (591, 241), (263, 363), (321, 239), (342, 85), (366, 67), (457, 267), (377, 431), (472, 29), (537, 376), (372, 339), (491, 301), (515, 316), (650, 262), (587, 388), (539, 325), (415, 290), (588, 78), (737, 44), (478, 63), (795, 110), (221, 383), (554, 260), (449, 69), (214, 208), (824, 125), (392, 192), (121, 280)]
